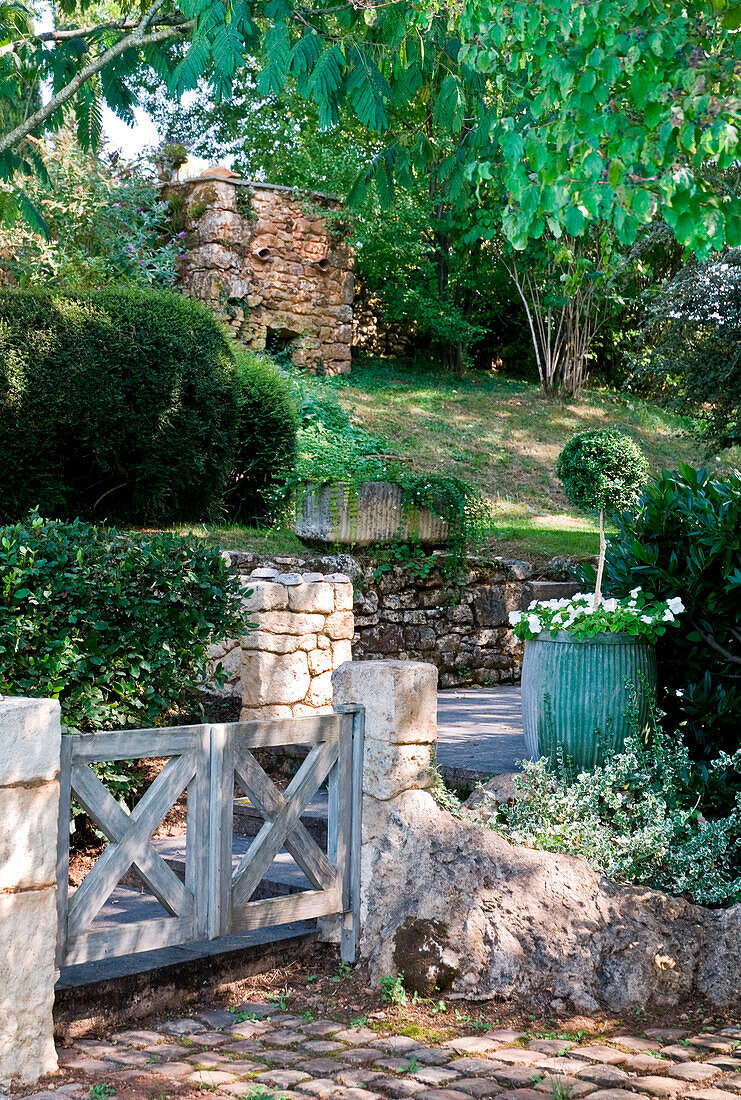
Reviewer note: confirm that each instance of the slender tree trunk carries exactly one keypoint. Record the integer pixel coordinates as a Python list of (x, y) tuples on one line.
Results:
[(601, 562)]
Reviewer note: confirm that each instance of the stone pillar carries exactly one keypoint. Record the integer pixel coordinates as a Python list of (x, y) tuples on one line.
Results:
[(305, 626), (29, 796), (400, 700)]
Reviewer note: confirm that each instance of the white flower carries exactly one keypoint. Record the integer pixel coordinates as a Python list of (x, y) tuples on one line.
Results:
[(609, 605), (534, 624), (634, 591), (667, 617), (532, 604), (675, 605), (514, 617), (647, 619)]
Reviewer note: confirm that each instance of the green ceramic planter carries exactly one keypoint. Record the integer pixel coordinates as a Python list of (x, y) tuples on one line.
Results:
[(574, 693)]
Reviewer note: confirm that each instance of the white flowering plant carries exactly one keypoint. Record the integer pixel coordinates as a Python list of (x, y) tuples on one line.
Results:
[(582, 616)]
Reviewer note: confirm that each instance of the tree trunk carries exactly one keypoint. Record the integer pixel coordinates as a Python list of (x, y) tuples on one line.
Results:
[(601, 562)]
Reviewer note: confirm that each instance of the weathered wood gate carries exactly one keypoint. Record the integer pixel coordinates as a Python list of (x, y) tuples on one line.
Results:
[(215, 898)]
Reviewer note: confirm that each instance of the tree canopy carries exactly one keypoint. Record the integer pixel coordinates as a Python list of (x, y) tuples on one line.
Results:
[(573, 113)]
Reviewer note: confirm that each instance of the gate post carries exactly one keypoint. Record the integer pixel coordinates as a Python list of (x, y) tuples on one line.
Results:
[(30, 737), (400, 700)]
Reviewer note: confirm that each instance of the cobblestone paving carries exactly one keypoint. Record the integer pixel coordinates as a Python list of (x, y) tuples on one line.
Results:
[(259, 1051)]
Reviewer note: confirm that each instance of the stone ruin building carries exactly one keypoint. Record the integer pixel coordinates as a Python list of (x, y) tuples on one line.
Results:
[(269, 264)]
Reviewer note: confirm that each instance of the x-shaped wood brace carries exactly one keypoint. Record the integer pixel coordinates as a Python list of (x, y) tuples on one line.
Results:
[(130, 842), (282, 826)]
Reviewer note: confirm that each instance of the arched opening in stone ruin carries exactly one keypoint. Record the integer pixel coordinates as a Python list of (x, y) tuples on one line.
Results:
[(280, 340)]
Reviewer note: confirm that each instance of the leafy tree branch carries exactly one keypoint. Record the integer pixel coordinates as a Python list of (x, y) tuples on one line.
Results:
[(141, 36)]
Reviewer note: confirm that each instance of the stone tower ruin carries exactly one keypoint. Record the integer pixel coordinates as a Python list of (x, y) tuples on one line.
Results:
[(267, 261)]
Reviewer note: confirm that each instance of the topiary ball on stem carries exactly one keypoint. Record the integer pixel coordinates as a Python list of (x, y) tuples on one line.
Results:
[(604, 470)]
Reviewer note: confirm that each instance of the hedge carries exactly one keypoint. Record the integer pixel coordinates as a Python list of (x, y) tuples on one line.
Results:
[(116, 626), (114, 404), (265, 443)]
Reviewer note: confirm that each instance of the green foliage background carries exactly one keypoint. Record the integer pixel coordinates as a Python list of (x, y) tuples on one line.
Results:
[(688, 354), (105, 225), (114, 625)]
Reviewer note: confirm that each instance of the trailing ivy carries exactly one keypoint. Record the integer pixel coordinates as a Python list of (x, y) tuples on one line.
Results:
[(333, 451)]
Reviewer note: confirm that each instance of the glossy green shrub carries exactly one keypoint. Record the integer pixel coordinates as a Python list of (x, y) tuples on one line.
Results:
[(113, 404), (684, 539), (114, 625), (265, 438)]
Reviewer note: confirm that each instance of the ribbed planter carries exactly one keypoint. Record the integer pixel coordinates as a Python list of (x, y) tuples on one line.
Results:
[(575, 693), (371, 512)]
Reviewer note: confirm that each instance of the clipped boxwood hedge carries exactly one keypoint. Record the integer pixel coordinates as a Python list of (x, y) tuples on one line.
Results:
[(265, 441), (113, 404)]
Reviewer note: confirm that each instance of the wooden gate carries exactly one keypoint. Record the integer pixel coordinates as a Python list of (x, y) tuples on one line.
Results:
[(215, 898)]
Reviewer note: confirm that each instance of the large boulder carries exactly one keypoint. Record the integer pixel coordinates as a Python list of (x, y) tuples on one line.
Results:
[(458, 909)]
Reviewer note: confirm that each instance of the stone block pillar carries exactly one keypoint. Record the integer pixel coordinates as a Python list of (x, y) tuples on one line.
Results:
[(30, 737), (305, 626), (400, 700)]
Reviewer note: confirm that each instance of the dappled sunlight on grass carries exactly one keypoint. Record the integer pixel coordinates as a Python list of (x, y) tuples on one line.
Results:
[(506, 431), (501, 434), (504, 436)]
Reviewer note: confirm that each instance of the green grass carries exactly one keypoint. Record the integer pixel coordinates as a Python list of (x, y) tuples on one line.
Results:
[(233, 536), (500, 434), (504, 437)]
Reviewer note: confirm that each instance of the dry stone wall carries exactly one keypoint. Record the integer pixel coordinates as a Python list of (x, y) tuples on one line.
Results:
[(374, 336), (464, 633), (267, 262), (303, 631)]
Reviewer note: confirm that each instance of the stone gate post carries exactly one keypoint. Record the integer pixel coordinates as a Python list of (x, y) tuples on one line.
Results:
[(30, 737), (400, 700)]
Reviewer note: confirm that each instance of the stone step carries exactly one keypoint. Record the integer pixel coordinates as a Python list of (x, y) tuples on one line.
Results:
[(248, 820)]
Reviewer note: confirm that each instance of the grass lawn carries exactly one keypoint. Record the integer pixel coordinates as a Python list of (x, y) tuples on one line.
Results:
[(504, 436), (500, 434)]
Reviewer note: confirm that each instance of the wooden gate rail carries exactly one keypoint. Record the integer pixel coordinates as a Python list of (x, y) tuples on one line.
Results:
[(215, 900)]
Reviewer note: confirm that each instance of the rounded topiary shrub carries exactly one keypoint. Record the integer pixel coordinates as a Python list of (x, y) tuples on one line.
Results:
[(113, 404), (265, 438), (604, 470)]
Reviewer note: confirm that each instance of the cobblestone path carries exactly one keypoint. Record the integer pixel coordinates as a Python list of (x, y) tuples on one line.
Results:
[(261, 1051)]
